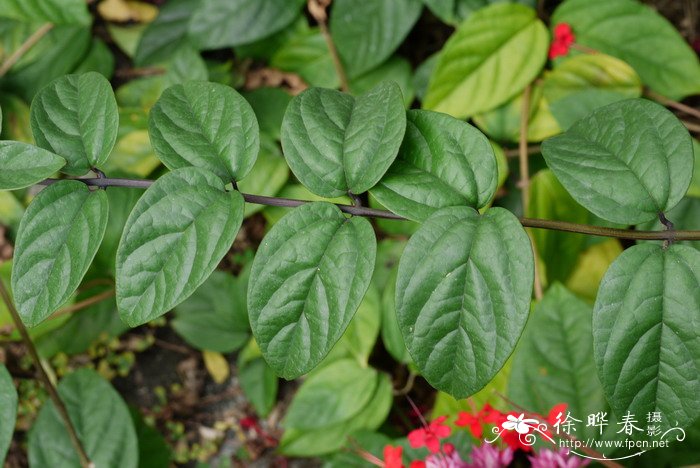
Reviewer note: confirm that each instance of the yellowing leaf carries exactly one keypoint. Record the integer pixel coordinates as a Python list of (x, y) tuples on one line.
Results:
[(121, 11), (592, 265), (216, 365)]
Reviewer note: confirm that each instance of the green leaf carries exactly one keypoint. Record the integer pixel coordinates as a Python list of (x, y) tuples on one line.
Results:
[(214, 317), (396, 69), (645, 339), (553, 362), (24, 165), (57, 240), (367, 32), (167, 33), (176, 235), (442, 162), (463, 294), (335, 143), (269, 105), (259, 384), (306, 54), (694, 189), (331, 396), (98, 59), (484, 63), (154, 451), (307, 280), (8, 410), (205, 125), (76, 117), (47, 11), (454, 12), (635, 33), (625, 162), (391, 333), (227, 23), (101, 419), (121, 201), (339, 421)]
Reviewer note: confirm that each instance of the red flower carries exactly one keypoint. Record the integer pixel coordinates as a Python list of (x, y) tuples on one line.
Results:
[(393, 457), (513, 439), (417, 464), (556, 413), (563, 38), (475, 422), (430, 436)]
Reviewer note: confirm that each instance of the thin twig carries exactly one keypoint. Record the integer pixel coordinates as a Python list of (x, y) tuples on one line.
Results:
[(408, 386), (22, 49), (318, 9), (50, 388), (671, 103), (82, 304), (515, 152), (525, 180), (693, 127), (375, 213)]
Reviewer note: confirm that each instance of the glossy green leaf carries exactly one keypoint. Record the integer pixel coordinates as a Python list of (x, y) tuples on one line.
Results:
[(640, 36), (339, 423), (335, 143), (76, 117), (205, 125), (307, 280), (24, 165), (214, 317), (625, 162), (101, 419), (168, 32), (176, 235), (216, 24), (491, 57), (463, 294), (553, 362), (57, 240), (367, 32), (442, 162), (645, 340), (8, 410), (47, 11)]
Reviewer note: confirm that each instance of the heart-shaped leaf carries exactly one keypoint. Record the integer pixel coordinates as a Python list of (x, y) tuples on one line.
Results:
[(625, 162), (645, 333), (442, 162), (335, 143), (206, 125), (57, 239), (176, 235), (101, 419), (307, 280), (640, 36), (76, 117), (24, 165), (367, 32), (463, 295), (8, 410), (491, 57)]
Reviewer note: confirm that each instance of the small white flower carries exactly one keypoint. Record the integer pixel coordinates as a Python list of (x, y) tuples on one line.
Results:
[(519, 424)]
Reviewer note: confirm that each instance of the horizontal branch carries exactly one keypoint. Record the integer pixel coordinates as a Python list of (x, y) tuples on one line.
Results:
[(375, 213)]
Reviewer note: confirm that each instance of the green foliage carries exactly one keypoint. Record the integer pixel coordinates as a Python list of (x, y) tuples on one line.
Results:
[(24, 165), (645, 338), (307, 281), (205, 125), (367, 32), (463, 289), (492, 57), (335, 143), (101, 419), (76, 117), (635, 33), (8, 410), (442, 162), (625, 162), (175, 236), (56, 242)]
